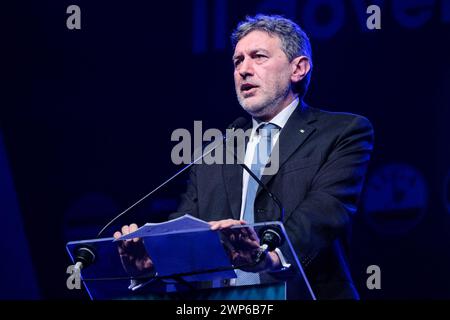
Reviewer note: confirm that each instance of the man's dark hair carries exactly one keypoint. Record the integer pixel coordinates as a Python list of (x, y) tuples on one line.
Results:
[(294, 40)]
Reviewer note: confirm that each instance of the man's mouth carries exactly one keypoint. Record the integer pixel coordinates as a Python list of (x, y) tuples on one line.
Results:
[(246, 87)]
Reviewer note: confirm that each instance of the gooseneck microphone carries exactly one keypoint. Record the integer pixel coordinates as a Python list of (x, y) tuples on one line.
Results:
[(238, 123), (270, 237), (85, 254)]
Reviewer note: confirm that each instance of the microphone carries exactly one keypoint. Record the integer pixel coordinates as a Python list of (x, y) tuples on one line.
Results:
[(238, 123), (84, 256), (271, 238)]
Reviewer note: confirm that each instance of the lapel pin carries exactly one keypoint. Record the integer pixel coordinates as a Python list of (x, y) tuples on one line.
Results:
[(302, 131)]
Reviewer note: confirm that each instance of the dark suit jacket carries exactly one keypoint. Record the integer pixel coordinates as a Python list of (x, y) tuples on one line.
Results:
[(319, 181)]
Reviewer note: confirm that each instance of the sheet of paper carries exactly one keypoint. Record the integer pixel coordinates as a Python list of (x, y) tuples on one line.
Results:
[(181, 224), (184, 245), (184, 252)]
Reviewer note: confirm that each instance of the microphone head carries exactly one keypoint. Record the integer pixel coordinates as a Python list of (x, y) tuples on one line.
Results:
[(85, 254), (272, 236), (238, 123)]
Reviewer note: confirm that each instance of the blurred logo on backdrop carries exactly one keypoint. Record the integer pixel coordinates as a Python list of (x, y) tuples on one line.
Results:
[(395, 199), (322, 19)]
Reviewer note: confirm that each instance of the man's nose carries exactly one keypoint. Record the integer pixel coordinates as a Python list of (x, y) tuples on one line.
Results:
[(246, 68)]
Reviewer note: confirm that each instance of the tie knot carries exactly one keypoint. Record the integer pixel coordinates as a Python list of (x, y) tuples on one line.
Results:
[(265, 129)]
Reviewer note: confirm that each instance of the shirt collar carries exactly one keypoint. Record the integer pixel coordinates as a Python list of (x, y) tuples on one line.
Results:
[(281, 118)]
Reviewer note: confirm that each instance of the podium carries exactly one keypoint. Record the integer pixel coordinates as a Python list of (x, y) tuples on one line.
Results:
[(191, 263)]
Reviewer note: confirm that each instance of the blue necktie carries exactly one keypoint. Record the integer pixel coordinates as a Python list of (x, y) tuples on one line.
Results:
[(260, 158)]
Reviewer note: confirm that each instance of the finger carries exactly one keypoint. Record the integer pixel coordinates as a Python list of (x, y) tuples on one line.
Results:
[(229, 223), (148, 263), (217, 226), (222, 224), (117, 235), (133, 228), (125, 230), (214, 225), (243, 231), (253, 235), (249, 232)]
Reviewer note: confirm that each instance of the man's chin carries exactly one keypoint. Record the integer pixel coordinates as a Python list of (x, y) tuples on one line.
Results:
[(261, 111), (251, 104), (256, 111), (252, 108)]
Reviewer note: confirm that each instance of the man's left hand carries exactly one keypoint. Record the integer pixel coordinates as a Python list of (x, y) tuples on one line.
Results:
[(244, 246)]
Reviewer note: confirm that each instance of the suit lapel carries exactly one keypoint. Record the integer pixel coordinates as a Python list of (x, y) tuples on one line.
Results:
[(296, 131)]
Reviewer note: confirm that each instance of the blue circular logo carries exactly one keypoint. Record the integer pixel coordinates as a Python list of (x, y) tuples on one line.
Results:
[(395, 199)]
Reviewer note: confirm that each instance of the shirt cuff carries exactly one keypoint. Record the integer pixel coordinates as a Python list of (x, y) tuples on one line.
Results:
[(284, 264)]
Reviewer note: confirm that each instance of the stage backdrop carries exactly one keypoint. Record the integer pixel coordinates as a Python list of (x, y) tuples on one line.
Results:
[(87, 117)]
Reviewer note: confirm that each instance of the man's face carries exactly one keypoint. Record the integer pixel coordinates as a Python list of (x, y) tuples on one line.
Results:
[(262, 75)]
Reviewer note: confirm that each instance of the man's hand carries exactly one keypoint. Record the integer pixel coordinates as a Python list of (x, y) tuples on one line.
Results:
[(243, 246), (133, 255)]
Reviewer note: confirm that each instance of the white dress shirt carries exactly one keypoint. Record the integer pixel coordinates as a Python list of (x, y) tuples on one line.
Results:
[(280, 120)]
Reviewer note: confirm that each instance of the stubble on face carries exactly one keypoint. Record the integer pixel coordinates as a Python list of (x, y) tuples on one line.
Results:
[(266, 103), (262, 75)]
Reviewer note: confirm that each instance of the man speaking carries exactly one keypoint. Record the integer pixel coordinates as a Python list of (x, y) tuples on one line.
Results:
[(323, 157)]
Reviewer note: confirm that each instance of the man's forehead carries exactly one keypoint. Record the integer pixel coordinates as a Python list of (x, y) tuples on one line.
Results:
[(257, 40)]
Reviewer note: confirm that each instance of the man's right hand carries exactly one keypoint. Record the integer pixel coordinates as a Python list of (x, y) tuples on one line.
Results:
[(133, 255)]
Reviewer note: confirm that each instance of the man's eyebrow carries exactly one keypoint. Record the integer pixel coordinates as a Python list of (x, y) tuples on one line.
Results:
[(236, 56), (259, 50), (251, 52)]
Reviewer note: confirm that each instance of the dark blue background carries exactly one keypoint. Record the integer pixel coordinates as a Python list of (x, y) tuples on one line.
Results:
[(87, 116)]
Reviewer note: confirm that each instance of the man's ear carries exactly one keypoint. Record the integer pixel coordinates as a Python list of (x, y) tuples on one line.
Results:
[(300, 68)]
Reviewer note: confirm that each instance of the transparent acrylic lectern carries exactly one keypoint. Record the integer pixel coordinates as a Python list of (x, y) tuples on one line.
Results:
[(192, 262)]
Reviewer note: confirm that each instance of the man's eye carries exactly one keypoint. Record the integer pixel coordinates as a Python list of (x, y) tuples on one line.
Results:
[(260, 56), (237, 62)]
